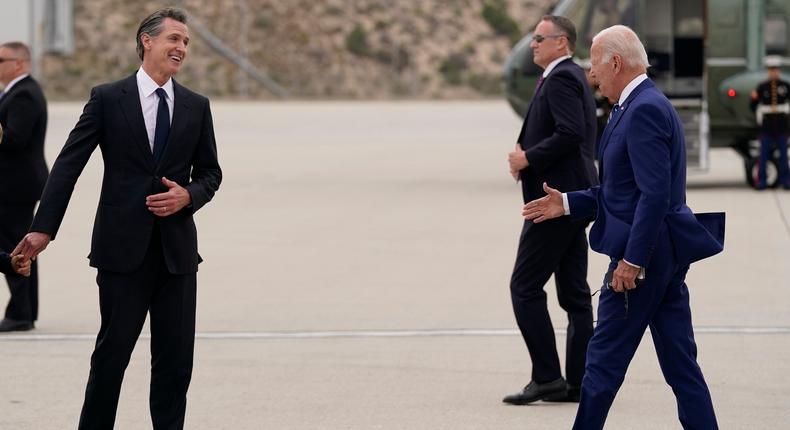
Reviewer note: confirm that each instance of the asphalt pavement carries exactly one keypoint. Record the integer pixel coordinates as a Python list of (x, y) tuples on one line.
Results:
[(357, 259)]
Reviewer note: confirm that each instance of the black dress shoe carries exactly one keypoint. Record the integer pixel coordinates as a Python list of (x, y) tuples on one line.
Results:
[(571, 395), (534, 392), (7, 324)]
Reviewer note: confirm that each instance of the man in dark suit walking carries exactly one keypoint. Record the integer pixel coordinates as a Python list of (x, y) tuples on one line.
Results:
[(160, 167), (23, 120), (556, 145), (643, 224)]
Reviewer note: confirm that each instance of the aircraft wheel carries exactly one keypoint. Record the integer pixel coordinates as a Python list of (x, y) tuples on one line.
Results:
[(771, 173)]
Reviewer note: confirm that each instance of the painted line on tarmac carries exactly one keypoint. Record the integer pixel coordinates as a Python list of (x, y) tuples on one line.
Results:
[(330, 334)]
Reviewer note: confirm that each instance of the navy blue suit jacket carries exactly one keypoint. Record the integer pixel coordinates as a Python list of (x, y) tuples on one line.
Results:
[(558, 134), (642, 196)]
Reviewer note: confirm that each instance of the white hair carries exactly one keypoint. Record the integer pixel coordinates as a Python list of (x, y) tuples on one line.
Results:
[(621, 40)]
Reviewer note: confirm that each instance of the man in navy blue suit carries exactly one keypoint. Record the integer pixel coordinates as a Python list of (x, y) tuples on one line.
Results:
[(555, 145), (644, 225)]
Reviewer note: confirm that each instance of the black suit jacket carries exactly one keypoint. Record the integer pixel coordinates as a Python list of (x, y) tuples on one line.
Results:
[(23, 115), (558, 134), (5, 263), (113, 120)]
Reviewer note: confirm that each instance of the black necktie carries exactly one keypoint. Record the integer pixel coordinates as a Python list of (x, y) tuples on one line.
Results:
[(162, 130), (2, 93)]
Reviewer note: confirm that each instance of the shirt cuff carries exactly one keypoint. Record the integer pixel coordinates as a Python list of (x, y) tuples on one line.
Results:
[(631, 264), (565, 204)]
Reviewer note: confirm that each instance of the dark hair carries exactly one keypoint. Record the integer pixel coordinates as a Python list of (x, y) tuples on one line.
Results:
[(19, 48), (565, 26), (152, 25)]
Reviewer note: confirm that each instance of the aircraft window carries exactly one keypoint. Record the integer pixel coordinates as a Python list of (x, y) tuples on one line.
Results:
[(775, 35)]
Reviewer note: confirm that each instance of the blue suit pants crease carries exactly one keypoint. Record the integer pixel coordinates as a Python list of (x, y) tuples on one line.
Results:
[(661, 302)]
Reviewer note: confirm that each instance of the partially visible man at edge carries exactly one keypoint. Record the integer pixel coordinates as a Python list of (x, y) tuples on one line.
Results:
[(643, 224), (160, 167), (555, 145), (23, 126)]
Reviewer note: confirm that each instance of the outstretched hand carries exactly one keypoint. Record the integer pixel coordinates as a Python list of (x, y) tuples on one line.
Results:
[(169, 202), (545, 208)]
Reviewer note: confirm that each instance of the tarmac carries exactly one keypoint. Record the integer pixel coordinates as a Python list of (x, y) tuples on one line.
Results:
[(357, 259)]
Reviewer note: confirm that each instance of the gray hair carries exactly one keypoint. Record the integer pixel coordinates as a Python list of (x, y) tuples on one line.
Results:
[(154, 23), (565, 26), (19, 49), (621, 40)]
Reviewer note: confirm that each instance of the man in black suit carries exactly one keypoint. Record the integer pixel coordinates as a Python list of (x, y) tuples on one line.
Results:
[(555, 145), (160, 167), (23, 119)]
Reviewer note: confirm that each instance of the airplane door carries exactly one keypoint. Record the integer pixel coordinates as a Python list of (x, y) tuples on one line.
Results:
[(674, 35)]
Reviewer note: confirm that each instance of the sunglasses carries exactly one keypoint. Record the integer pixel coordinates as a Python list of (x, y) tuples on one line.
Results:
[(2, 60), (607, 285), (539, 38)]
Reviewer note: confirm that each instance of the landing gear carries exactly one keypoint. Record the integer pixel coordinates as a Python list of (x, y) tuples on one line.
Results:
[(750, 151), (752, 172)]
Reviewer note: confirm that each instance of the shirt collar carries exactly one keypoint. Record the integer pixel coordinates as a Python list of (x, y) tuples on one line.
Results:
[(14, 81), (147, 86), (630, 88), (553, 64)]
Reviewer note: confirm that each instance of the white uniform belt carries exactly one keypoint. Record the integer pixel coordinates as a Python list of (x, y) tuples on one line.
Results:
[(768, 109)]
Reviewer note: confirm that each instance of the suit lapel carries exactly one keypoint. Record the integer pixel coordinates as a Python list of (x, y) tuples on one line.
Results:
[(535, 95), (540, 88), (615, 120), (612, 124), (7, 95), (180, 121), (130, 105)]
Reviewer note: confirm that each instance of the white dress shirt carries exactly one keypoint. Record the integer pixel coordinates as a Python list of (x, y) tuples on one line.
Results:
[(623, 97), (14, 81), (553, 64), (630, 88), (149, 101)]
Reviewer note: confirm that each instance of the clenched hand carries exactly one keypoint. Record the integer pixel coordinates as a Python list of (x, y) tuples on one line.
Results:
[(169, 202)]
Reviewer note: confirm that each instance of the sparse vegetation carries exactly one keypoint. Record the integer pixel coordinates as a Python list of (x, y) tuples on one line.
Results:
[(329, 49), (357, 42), (486, 84), (452, 69), (496, 15)]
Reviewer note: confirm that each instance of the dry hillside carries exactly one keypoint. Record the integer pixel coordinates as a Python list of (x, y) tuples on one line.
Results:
[(348, 49)]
